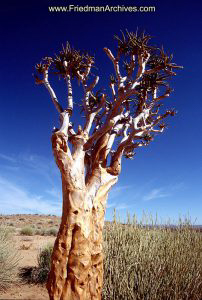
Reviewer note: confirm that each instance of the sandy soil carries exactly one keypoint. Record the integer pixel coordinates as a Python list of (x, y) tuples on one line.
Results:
[(26, 292), (28, 247)]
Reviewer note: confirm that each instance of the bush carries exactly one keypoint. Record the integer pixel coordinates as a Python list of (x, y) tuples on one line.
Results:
[(40, 274), (40, 231), (52, 231), (27, 231), (9, 259)]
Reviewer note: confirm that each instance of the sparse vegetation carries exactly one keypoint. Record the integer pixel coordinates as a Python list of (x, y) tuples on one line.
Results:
[(156, 262), (8, 259), (40, 274), (52, 231), (47, 232), (27, 230), (50, 222), (40, 231)]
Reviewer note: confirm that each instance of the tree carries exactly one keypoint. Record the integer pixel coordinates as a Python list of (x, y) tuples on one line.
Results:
[(116, 124)]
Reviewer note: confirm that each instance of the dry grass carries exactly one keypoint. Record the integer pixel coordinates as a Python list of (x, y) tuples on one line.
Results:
[(9, 259), (28, 230), (146, 263), (152, 263), (52, 231)]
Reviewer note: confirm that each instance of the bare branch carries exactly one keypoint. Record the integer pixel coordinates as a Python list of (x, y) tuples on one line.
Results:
[(141, 117), (106, 127), (88, 68), (131, 66), (51, 92), (142, 60), (115, 62), (93, 84), (112, 137), (64, 120), (165, 95), (70, 95), (115, 165), (154, 70), (112, 86), (91, 116), (134, 111), (157, 130), (71, 131), (87, 92)]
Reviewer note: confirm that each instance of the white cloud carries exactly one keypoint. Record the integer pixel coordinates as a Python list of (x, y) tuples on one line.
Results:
[(53, 192), (44, 177), (122, 206), (113, 204), (30, 168), (163, 192), (155, 193), (16, 199), (118, 190), (177, 186), (39, 165), (7, 157)]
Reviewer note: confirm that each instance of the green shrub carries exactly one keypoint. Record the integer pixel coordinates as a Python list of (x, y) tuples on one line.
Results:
[(9, 259), (27, 231)]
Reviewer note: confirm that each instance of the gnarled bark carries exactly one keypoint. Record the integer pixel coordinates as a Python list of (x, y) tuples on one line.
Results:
[(77, 260)]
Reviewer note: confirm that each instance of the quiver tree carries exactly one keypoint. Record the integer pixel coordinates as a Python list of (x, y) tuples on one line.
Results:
[(117, 122)]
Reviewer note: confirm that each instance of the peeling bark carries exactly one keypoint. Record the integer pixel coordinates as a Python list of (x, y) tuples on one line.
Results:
[(77, 260)]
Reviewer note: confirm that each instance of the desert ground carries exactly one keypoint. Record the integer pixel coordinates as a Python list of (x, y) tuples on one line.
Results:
[(157, 242), (28, 247)]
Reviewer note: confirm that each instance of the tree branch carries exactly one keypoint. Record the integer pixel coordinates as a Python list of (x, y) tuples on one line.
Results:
[(91, 116), (93, 84), (112, 86), (141, 70), (64, 120), (87, 92), (70, 95), (51, 92), (132, 66), (107, 126), (115, 62), (112, 137)]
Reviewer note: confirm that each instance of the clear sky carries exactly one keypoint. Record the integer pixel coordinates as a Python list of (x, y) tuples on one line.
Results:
[(164, 178)]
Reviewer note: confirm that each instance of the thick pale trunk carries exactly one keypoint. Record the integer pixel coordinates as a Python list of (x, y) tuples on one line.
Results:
[(77, 259)]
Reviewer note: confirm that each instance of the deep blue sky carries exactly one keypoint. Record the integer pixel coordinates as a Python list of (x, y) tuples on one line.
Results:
[(166, 177)]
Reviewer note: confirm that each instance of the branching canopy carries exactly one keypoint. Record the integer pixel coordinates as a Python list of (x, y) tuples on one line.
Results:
[(130, 115)]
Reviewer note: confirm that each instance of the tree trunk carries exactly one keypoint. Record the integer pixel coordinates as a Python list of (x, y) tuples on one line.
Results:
[(77, 260)]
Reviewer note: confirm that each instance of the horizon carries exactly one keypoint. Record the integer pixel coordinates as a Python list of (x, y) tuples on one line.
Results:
[(138, 222), (163, 178)]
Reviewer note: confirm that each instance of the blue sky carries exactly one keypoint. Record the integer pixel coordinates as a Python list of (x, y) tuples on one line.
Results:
[(164, 178)]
